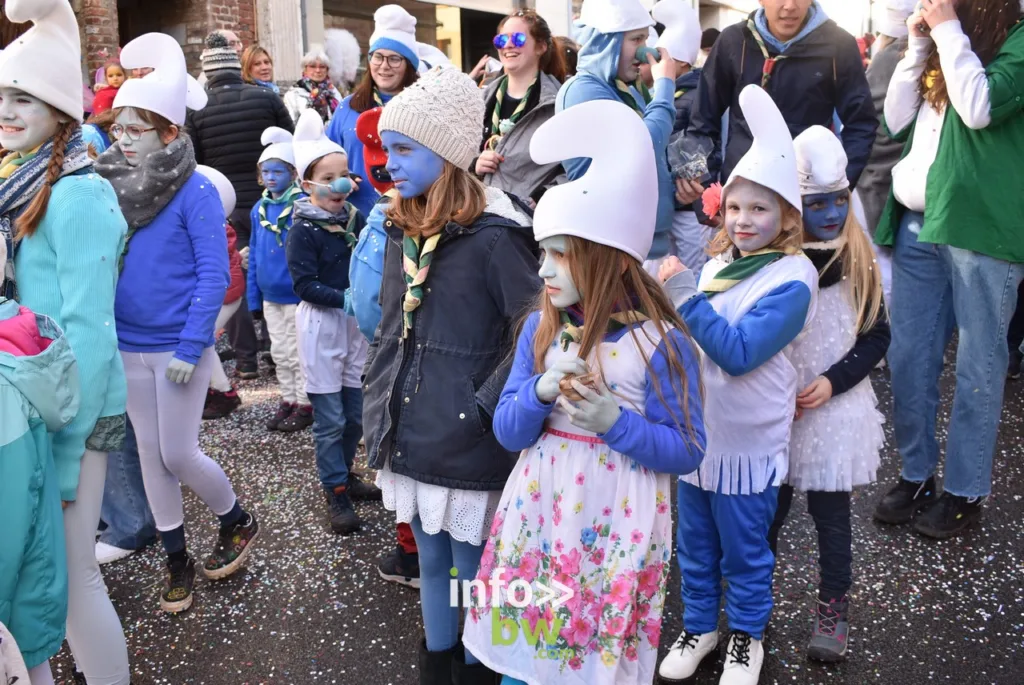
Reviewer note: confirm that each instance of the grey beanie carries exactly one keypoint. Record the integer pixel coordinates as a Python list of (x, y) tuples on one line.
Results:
[(219, 54), (441, 111)]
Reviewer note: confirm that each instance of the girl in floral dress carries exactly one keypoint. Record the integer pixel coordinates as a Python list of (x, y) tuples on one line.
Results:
[(586, 510)]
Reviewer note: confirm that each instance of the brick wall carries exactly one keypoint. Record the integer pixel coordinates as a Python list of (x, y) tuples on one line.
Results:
[(357, 17), (97, 25)]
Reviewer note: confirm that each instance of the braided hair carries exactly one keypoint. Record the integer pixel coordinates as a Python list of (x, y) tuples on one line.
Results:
[(29, 221)]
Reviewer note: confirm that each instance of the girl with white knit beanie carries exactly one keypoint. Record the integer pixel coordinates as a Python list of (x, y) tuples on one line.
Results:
[(435, 367)]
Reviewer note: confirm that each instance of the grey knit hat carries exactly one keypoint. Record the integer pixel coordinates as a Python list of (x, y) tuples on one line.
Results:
[(219, 54), (441, 111)]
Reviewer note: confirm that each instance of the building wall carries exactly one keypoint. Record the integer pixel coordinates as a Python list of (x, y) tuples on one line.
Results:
[(357, 16), (98, 28)]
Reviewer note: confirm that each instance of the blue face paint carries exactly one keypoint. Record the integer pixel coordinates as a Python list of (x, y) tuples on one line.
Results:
[(825, 214), (413, 167), (276, 175)]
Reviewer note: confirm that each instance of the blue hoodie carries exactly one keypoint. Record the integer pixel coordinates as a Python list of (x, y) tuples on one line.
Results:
[(597, 67), (268, 277), (815, 17)]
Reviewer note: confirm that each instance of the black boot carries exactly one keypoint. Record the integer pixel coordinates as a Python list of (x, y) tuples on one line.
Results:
[(901, 503), (435, 667), (470, 674), (344, 519)]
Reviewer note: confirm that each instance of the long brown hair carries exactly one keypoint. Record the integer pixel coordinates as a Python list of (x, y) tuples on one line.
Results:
[(29, 220), (456, 196), (789, 240), (552, 61), (611, 281), (986, 23), (249, 57), (362, 96)]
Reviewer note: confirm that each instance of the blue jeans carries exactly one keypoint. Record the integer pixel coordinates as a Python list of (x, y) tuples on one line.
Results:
[(438, 555), (934, 288), (125, 509), (337, 428)]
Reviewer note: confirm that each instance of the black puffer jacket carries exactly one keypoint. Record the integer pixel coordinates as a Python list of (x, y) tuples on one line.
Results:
[(226, 136)]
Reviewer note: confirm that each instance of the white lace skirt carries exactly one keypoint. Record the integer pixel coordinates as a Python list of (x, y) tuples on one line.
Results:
[(466, 515)]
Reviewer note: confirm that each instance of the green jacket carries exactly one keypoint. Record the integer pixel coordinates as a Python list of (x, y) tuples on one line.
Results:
[(38, 396), (974, 198)]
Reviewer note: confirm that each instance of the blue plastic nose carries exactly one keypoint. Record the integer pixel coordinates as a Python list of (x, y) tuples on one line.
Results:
[(341, 185)]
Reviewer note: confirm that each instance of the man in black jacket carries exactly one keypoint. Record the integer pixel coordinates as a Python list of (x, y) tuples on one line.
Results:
[(811, 68), (226, 136)]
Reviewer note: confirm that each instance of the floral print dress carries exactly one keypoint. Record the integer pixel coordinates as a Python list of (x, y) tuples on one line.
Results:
[(594, 520)]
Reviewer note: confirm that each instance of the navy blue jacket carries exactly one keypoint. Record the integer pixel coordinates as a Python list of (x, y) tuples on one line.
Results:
[(821, 74), (429, 398), (686, 99), (318, 260)]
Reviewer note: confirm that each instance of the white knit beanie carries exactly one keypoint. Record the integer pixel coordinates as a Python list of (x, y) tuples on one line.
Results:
[(441, 111), (395, 29)]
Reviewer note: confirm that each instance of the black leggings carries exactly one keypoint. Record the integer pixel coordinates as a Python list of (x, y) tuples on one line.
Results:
[(831, 513)]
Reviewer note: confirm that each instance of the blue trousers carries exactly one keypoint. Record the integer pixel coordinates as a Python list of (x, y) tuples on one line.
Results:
[(125, 509), (438, 555), (337, 428), (725, 536)]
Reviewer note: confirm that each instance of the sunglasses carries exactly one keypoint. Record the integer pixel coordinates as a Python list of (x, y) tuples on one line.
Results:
[(502, 40)]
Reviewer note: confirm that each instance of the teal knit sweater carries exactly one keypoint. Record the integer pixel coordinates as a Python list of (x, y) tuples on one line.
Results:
[(67, 270)]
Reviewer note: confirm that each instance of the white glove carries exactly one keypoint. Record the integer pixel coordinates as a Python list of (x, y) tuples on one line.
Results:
[(245, 257), (179, 371), (597, 412), (547, 385)]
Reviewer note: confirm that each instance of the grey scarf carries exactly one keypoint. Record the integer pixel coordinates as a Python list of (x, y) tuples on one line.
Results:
[(143, 191)]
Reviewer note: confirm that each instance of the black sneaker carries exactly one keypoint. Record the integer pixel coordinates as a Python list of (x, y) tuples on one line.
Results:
[(181, 578), (226, 355), (901, 503), (299, 420), (1013, 370), (950, 515), (361, 491), (400, 567), (344, 520), (247, 370), (233, 546), (284, 410), (268, 359), (220, 404)]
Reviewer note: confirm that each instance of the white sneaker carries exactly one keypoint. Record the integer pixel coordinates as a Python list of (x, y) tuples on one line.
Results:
[(686, 655), (743, 658), (106, 554)]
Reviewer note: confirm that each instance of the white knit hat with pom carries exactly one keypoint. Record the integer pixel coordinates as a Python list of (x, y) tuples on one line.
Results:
[(441, 111), (45, 61)]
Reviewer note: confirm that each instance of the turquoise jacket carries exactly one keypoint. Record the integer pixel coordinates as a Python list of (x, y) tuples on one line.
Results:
[(67, 270), (39, 395)]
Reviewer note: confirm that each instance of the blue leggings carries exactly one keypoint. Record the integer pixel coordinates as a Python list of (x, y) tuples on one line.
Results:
[(438, 555), (509, 680)]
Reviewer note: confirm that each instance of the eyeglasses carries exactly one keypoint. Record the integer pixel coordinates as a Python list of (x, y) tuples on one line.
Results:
[(394, 61), (117, 131), (517, 39)]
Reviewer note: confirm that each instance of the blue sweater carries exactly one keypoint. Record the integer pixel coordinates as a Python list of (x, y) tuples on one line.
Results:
[(268, 278), (653, 440), (319, 259), (175, 276), (342, 130), (595, 80)]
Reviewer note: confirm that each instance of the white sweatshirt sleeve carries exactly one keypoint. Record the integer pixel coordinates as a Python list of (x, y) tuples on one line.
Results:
[(966, 80), (903, 98)]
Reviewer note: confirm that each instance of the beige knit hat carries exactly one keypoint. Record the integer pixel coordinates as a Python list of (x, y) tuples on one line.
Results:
[(441, 111)]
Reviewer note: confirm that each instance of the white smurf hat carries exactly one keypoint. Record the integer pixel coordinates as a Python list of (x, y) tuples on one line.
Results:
[(279, 144), (615, 16), (771, 159), (652, 38), (46, 61), (894, 24), (615, 202), (167, 90), (309, 142), (395, 29), (431, 57), (682, 33), (223, 186), (820, 161)]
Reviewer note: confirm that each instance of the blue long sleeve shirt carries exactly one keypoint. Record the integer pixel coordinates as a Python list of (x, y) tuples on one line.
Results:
[(175, 276), (268, 277), (653, 440)]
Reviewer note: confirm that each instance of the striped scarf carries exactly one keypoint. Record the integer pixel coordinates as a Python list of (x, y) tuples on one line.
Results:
[(572, 321), (288, 199), (496, 121), (416, 264), (626, 94), (769, 62), (740, 269)]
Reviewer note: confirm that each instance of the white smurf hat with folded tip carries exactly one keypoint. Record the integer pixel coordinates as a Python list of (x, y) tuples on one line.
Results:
[(279, 144), (168, 90), (615, 16), (45, 61), (309, 142), (771, 159), (820, 161), (223, 186), (615, 202), (682, 33)]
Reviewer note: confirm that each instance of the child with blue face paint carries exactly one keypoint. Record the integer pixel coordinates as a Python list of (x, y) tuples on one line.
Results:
[(838, 434), (459, 270), (755, 297), (270, 289)]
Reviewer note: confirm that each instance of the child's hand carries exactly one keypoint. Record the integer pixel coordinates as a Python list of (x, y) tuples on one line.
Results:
[(816, 394), (596, 412), (669, 268), (244, 253), (547, 389)]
